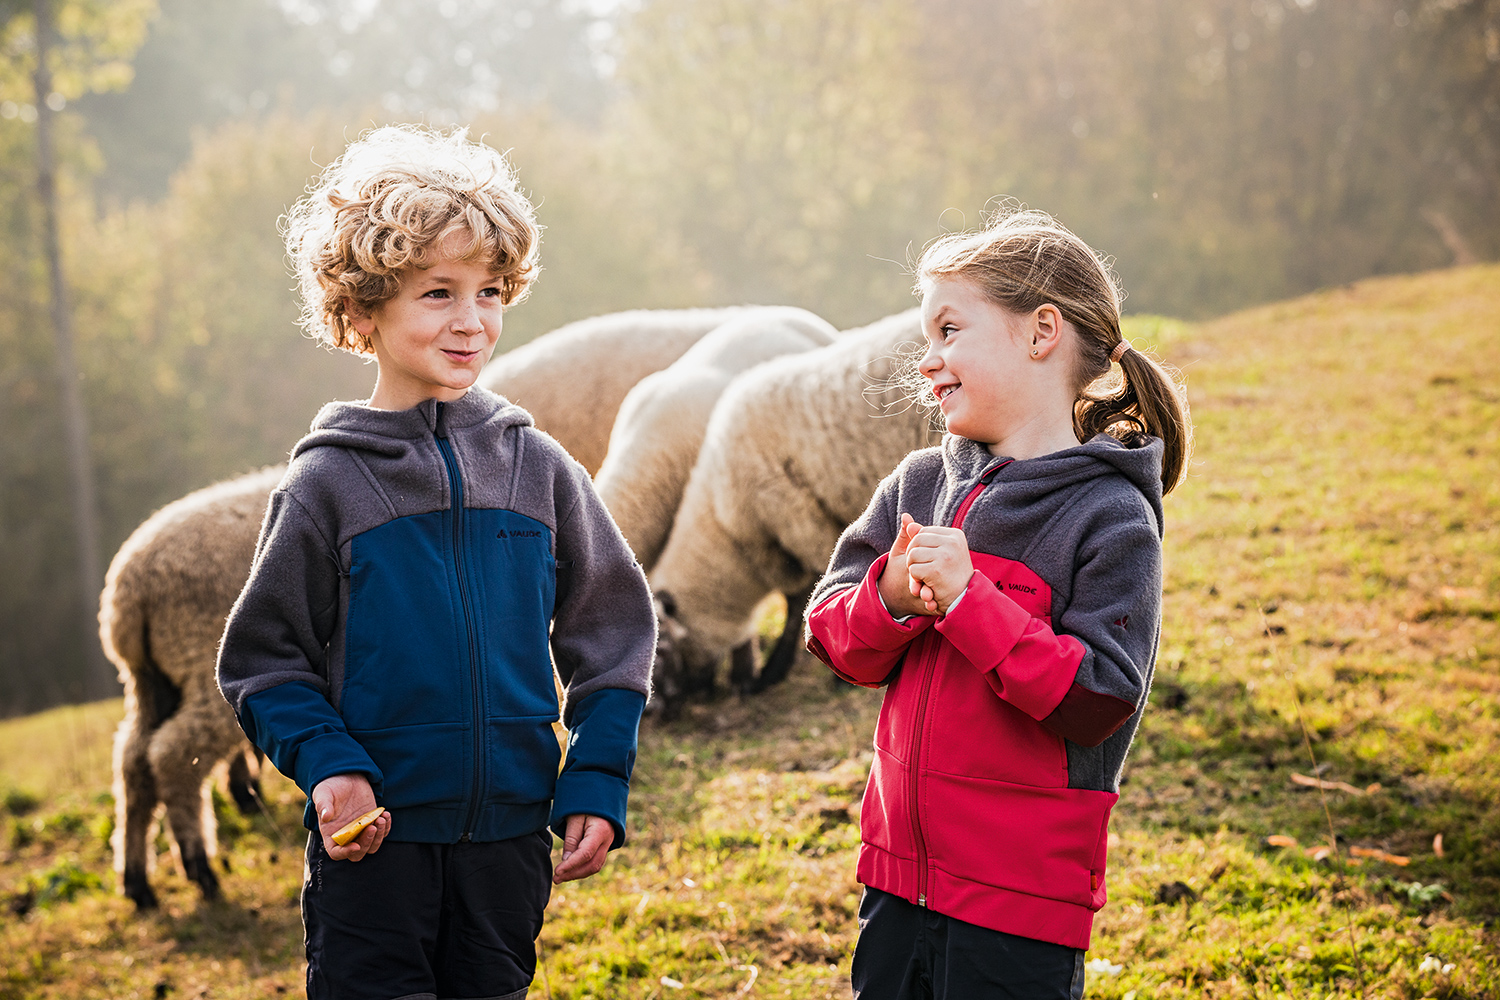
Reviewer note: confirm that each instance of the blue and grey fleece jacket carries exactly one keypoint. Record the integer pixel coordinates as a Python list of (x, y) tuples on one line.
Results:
[(413, 570)]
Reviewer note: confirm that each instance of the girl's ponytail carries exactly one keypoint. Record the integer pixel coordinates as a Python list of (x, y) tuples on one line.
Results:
[(1150, 399)]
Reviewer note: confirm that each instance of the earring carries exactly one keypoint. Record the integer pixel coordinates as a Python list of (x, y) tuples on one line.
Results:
[(1035, 353)]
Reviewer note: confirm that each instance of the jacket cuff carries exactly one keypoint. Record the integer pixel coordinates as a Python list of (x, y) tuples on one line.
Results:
[(595, 779), (989, 627), (304, 737), (872, 623), (854, 633)]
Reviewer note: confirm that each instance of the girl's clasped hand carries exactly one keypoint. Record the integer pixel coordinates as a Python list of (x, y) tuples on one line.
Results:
[(928, 568)]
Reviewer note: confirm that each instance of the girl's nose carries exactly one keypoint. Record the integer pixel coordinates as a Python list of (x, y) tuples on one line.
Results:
[(929, 363)]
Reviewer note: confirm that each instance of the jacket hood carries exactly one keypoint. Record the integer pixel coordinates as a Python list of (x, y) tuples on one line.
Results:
[(360, 426), (965, 460)]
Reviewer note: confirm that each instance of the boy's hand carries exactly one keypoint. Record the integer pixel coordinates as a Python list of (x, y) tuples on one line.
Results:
[(938, 563), (342, 799), (900, 599), (586, 841)]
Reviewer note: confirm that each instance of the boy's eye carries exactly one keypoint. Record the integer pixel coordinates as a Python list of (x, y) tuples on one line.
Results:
[(436, 293), (490, 292)]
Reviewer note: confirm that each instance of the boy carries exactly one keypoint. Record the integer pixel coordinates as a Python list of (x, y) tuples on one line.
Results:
[(391, 648)]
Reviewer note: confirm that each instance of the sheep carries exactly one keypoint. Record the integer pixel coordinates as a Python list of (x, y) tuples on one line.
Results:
[(170, 587), (573, 379), (165, 599), (659, 430), (791, 456)]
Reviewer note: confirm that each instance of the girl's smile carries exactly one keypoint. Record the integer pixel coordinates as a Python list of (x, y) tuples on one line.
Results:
[(998, 377)]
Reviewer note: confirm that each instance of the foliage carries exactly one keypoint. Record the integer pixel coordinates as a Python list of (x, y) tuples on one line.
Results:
[(96, 40)]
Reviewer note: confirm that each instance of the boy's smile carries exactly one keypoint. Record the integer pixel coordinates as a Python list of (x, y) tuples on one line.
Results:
[(435, 335)]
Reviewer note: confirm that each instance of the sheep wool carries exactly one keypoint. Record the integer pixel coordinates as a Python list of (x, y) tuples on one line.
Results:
[(792, 454), (573, 379), (661, 423)]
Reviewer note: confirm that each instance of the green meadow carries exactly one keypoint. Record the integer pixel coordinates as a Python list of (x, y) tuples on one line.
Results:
[(1312, 807)]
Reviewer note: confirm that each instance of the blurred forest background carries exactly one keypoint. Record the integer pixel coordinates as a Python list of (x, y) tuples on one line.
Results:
[(681, 152)]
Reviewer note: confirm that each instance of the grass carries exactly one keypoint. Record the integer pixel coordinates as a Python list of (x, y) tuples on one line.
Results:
[(1332, 559)]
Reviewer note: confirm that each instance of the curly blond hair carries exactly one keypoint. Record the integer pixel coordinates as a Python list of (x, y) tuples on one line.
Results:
[(395, 196)]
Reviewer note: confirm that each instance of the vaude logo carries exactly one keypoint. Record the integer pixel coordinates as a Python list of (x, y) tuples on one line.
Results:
[(1021, 587), (520, 533)]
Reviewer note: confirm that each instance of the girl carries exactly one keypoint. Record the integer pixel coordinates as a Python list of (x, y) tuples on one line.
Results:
[(1006, 586)]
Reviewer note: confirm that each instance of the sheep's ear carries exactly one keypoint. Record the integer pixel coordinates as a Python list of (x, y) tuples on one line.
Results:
[(668, 603)]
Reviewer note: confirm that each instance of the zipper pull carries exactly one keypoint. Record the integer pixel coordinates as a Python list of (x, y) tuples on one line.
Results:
[(922, 899)]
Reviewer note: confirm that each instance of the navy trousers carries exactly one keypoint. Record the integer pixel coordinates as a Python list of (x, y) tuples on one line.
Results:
[(908, 952), (426, 921)]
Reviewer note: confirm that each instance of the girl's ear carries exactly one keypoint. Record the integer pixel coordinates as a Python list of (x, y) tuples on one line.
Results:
[(1045, 327)]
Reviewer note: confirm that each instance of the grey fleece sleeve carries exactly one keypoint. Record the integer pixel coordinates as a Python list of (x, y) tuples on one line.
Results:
[(866, 539), (603, 628), (1115, 612), (603, 642), (271, 660)]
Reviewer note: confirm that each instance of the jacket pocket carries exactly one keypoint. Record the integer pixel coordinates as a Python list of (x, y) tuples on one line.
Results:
[(1046, 842), (420, 763), (523, 761)]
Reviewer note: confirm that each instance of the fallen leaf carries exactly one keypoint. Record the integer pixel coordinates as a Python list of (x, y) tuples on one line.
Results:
[(1437, 845), (1376, 854), (1281, 840), (1318, 852), (670, 983)]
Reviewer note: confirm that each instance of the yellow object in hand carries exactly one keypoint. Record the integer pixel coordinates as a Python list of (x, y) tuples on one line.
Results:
[(354, 829)]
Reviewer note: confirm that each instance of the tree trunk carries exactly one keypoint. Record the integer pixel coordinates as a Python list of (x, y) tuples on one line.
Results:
[(98, 680)]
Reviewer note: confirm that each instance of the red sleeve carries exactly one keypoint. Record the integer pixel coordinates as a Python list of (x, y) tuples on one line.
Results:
[(856, 636), (1022, 659)]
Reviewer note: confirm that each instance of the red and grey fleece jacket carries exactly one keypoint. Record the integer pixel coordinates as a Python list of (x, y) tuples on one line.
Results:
[(1005, 724)]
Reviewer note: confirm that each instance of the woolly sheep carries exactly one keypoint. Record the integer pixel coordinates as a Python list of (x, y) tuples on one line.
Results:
[(165, 599), (573, 379), (792, 454), (173, 582)]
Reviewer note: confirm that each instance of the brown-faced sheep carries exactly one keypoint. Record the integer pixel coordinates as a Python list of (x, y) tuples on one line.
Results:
[(577, 375), (792, 454), (165, 599), (173, 582)]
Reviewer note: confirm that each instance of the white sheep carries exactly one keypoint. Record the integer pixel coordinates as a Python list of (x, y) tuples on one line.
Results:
[(170, 587), (656, 439), (573, 379), (792, 454)]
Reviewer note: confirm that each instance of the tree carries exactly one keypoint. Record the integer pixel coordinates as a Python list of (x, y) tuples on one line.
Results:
[(87, 54)]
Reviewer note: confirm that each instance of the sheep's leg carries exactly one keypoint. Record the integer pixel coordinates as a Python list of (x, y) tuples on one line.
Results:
[(185, 750), (784, 653), (244, 780), (742, 665), (135, 803)]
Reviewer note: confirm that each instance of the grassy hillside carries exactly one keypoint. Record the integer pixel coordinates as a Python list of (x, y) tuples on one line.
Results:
[(1333, 596)]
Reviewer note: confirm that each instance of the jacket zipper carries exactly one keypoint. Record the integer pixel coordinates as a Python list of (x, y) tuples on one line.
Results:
[(456, 496), (929, 663)]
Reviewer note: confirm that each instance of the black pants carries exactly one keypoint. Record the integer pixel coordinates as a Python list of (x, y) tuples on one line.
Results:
[(907, 952), (426, 921)]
